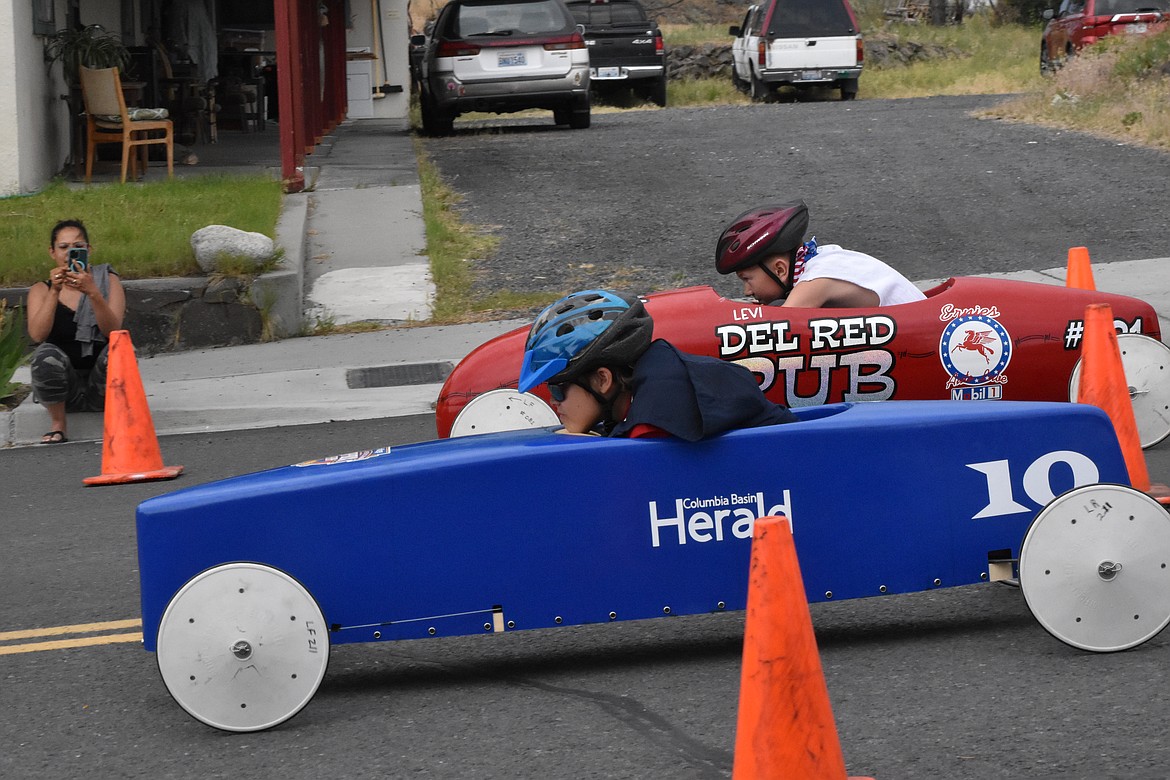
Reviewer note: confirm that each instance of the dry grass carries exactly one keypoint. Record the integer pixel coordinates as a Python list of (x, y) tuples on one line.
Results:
[(996, 60), (1115, 89)]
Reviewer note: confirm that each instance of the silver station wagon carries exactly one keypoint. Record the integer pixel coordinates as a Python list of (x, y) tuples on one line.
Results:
[(502, 56)]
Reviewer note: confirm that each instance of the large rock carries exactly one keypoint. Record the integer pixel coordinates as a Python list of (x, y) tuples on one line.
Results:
[(214, 242)]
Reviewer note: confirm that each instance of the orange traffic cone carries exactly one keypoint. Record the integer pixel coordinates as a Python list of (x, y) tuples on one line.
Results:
[(130, 450), (1080, 272), (785, 726), (1103, 384)]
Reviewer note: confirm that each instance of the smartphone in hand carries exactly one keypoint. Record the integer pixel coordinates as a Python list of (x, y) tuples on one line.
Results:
[(78, 259)]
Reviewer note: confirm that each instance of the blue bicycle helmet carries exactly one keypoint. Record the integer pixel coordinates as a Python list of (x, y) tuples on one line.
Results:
[(581, 332)]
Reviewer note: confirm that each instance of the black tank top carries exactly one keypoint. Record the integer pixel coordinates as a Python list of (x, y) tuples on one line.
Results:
[(64, 335)]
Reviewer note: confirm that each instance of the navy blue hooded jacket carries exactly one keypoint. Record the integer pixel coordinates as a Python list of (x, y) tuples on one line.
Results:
[(693, 396)]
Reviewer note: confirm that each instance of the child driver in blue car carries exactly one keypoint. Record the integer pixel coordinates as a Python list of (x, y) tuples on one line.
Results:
[(606, 375)]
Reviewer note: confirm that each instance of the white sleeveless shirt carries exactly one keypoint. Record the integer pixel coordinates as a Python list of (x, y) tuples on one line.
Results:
[(833, 262)]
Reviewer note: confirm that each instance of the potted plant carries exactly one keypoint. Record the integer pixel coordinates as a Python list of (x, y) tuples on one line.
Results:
[(90, 46)]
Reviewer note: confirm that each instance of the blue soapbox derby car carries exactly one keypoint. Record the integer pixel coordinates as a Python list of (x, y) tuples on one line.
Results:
[(247, 582)]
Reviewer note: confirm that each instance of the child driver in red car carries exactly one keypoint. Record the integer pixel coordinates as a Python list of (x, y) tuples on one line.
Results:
[(765, 248)]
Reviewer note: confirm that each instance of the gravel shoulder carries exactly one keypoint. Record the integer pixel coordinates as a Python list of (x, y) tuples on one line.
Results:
[(637, 201)]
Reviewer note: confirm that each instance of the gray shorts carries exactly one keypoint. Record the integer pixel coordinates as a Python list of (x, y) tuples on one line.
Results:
[(54, 379)]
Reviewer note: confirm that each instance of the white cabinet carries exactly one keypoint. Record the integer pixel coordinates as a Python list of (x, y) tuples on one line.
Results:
[(359, 86)]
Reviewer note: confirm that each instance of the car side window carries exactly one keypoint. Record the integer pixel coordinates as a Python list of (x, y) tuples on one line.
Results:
[(757, 17), (443, 24), (745, 29)]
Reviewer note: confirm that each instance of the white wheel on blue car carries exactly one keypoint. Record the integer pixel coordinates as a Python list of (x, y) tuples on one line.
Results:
[(242, 647), (1146, 363), (1095, 567)]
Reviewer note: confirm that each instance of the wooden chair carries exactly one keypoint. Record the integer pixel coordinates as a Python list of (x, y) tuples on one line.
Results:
[(192, 102), (109, 121)]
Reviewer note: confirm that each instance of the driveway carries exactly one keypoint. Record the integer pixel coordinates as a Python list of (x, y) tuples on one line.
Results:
[(637, 200)]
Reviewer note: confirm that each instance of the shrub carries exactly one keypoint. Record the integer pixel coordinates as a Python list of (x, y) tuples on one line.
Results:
[(12, 347), (1022, 11)]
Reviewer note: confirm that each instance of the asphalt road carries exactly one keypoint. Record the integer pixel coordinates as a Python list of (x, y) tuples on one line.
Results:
[(637, 201), (955, 683)]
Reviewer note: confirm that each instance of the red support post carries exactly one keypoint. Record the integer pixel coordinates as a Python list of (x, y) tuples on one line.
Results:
[(289, 86)]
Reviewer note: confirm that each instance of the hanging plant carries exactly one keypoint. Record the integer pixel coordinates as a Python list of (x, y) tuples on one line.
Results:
[(90, 46)]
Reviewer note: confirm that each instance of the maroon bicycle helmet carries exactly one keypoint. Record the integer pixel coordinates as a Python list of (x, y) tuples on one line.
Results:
[(760, 233)]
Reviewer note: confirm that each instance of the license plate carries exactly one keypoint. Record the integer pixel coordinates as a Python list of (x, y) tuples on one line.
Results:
[(1136, 29), (609, 73), (513, 59), (811, 75)]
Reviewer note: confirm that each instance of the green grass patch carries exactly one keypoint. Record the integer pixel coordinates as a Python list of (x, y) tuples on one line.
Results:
[(704, 92), (142, 230), (696, 34)]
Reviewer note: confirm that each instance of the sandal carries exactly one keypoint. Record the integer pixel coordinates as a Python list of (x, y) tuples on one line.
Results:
[(54, 437)]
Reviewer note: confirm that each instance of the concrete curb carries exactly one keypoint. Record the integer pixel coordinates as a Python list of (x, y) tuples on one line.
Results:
[(280, 294)]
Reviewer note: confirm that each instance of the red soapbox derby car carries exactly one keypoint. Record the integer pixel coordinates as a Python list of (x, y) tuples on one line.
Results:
[(970, 339)]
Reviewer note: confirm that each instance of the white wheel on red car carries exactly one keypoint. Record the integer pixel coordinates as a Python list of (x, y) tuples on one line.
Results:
[(1095, 567), (242, 647), (1146, 363), (502, 410)]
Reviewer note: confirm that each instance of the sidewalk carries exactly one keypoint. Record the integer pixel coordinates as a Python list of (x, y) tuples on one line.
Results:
[(384, 373), (365, 243)]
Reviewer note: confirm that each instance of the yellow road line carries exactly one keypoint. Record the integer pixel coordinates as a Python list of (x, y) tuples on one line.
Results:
[(81, 628), (62, 644)]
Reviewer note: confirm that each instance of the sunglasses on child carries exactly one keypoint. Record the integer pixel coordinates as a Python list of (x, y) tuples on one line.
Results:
[(558, 391)]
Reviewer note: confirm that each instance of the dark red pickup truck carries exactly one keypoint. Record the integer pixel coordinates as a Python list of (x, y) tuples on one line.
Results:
[(625, 47)]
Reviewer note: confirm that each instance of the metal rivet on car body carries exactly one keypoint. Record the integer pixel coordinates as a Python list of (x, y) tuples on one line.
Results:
[(613, 616)]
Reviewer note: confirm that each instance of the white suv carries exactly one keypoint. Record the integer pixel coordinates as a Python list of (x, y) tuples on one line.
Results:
[(798, 44), (502, 56)]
